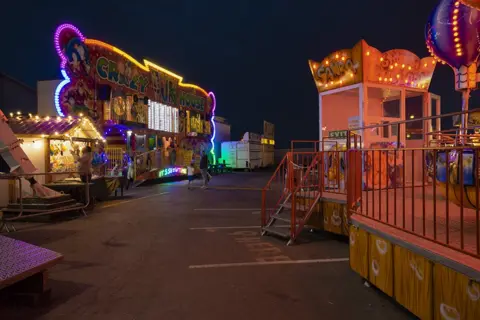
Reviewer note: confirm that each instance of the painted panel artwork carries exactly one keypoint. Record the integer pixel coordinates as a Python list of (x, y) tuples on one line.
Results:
[(381, 264), (87, 65), (413, 282)]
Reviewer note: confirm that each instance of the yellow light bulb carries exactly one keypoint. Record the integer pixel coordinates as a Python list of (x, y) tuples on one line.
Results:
[(409, 68), (80, 114), (368, 53), (455, 17), (11, 114), (398, 76), (455, 11), (403, 66), (379, 78), (336, 56), (331, 82), (326, 62), (314, 66), (390, 79), (47, 118), (455, 28), (381, 59), (391, 67), (19, 113), (343, 58), (454, 23), (385, 79), (425, 65), (456, 39), (406, 81), (37, 117), (351, 75), (457, 3), (396, 64), (433, 62), (455, 34), (56, 133), (457, 45)]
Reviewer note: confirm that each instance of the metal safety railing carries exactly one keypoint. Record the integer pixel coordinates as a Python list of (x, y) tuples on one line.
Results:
[(430, 191), (17, 197)]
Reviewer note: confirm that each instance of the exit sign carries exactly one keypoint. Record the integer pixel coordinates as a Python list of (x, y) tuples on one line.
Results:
[(340, 134)]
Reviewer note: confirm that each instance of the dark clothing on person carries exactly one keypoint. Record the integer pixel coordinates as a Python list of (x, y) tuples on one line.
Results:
[(86, 177), (204, 162)]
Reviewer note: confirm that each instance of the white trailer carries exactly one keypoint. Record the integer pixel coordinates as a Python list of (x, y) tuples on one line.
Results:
[(245, 154)]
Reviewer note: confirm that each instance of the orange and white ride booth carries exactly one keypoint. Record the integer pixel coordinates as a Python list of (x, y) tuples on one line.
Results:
[(362, 86)]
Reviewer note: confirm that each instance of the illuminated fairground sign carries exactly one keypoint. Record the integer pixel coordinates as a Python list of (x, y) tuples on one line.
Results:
[(364, 63), (175, 171), (339, 134), (87, 64)]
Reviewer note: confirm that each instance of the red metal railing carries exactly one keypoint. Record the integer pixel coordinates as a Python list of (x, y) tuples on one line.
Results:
[(428, 192), (275, 190), (306, 194)]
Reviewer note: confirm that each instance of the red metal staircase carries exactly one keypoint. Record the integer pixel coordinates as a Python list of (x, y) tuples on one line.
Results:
[(298, 188)]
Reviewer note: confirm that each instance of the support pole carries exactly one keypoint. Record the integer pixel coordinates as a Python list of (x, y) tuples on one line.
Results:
[(465, 100)]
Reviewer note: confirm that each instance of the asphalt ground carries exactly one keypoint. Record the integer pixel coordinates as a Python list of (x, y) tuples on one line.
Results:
[(166, 252)]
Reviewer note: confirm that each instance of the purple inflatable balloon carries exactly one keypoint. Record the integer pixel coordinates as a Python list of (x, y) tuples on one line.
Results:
[(452, 33)]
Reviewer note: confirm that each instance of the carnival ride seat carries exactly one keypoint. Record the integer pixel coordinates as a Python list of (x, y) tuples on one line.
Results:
[(456, 181)]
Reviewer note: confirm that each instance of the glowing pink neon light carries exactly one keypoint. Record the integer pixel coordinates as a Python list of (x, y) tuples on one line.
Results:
[(58, 48), (212, 140)]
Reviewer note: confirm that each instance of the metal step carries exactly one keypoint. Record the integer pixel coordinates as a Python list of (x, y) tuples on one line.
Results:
[(72, 207), (48, 200), (284, 219), (277, 232), (308, 194), (41, 206), (299, 207)]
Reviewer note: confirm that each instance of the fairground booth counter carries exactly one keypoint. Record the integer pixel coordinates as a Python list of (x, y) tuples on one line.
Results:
[(148, 115), (53, 145)]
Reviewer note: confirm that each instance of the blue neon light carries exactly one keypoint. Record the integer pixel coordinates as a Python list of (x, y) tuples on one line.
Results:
[(212, 140), (58, 90)]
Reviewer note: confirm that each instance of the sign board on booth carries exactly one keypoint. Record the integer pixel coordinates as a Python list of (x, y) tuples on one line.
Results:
[(364, 63), (339, 134)]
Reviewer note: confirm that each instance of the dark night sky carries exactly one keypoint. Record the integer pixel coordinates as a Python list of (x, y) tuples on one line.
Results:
[(252, 54)]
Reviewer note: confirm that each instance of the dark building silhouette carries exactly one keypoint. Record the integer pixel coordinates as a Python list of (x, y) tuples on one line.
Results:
[(16, 96)]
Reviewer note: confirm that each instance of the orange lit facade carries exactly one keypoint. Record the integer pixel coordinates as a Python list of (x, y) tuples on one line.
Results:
[(140, 106), (372, 87)]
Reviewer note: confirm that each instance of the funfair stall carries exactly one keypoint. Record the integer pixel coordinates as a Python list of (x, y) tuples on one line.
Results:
[(375, 88), (148, 114), (422, 248)]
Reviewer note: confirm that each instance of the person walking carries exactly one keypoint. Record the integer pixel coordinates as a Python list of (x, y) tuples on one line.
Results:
[(204, 169), (191, 175), (85, 165)]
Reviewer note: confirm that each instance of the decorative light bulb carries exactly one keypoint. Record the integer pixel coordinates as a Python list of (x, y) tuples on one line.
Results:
[(368, 53)]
